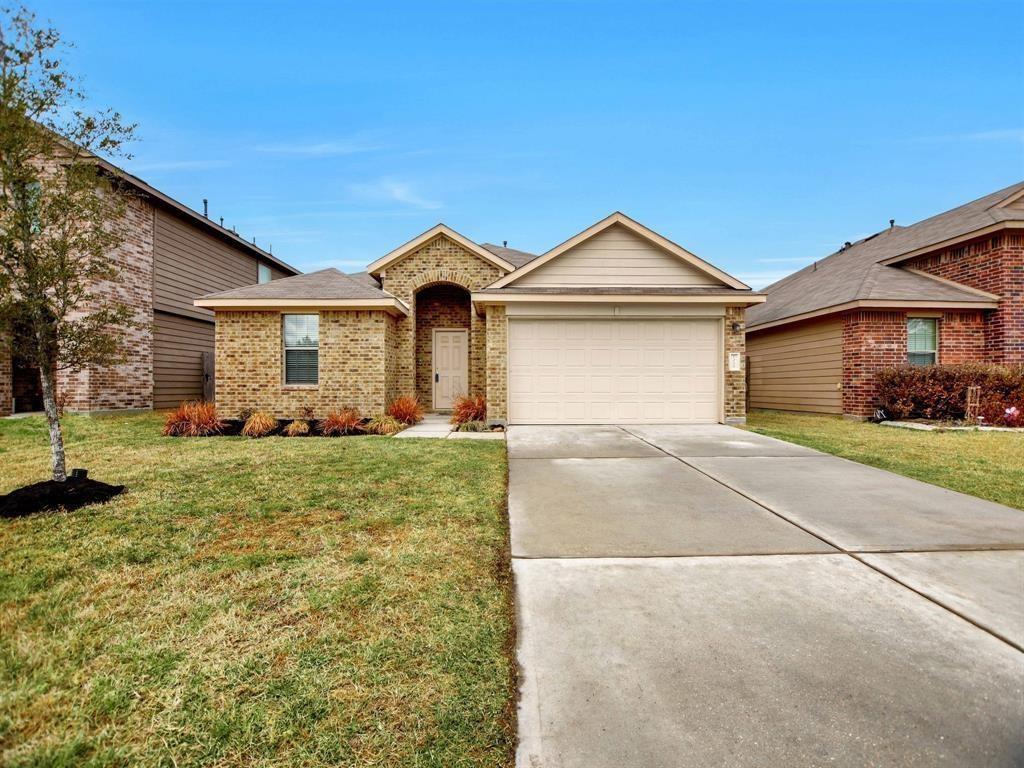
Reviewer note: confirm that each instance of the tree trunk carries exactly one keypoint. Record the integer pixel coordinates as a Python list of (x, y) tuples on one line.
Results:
[(46, 378)]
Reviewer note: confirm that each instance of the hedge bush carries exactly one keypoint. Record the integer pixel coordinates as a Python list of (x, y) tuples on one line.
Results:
[(940, 392)]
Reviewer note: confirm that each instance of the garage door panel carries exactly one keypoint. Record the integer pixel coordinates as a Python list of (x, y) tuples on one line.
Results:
[(613, 371)]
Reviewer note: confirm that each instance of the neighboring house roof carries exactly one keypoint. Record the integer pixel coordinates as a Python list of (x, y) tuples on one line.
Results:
[(194, 217), (620, 219), (440, 229), (325, 288), (864, 274)]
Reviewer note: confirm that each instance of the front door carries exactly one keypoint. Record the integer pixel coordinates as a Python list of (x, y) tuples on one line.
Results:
[(451, 366)]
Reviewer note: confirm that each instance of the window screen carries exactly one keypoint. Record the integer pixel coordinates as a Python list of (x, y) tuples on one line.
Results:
[(301, 349), (263, 273), (922, 341)]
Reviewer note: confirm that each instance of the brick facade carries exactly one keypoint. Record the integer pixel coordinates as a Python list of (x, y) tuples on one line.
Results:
[(994, 264), (871, 340), (876, 339), (440, 261), (497, 364), (128, 385), (963, 337), (353, 362), (438, 306), (734, 394)]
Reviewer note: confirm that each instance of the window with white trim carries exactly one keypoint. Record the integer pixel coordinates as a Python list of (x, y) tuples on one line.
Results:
[(301, 349), (262, 273), (922, 341)]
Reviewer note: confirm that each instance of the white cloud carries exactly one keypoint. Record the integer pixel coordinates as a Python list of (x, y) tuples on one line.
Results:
[(1005, 134), (393, 190), (176, 165), (999, 134)]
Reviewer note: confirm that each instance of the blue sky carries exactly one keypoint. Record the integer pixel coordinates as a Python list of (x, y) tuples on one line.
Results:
[(758, 135)]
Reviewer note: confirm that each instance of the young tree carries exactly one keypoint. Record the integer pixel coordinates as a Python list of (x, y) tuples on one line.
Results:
[(61, 214)]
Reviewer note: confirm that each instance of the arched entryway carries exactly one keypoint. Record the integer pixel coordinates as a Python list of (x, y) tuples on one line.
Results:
[(443, 344)]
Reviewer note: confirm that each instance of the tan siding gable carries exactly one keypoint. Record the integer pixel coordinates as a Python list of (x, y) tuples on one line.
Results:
[(797, 368), (616, 256)]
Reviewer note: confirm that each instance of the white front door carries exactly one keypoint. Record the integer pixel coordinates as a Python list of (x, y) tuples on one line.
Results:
[(451, 366)]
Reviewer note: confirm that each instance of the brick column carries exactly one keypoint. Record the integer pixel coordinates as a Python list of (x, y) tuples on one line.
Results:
[(497, 364), (735, 386), (872, 340)]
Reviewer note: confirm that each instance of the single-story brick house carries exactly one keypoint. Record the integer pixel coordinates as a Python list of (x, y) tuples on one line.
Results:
[(949, 289), (615, 325)]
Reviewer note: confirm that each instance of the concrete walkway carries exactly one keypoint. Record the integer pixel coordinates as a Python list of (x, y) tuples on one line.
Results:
[(438, 425), (704, 596)]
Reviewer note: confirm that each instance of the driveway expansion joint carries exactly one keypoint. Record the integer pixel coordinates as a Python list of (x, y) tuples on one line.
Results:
[(851, 553)]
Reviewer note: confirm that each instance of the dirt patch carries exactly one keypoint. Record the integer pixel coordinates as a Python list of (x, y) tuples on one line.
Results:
[(49, 495)]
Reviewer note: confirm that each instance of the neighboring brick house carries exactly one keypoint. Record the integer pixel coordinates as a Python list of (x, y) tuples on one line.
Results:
[(170, 256), (615, 325), (949, 289)]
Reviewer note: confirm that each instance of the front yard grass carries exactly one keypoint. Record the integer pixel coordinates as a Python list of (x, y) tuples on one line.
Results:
[(989, 465), (303, 601)]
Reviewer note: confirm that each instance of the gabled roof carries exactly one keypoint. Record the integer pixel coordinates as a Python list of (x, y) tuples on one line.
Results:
[(325, 288), (620, 219), (440, 229), (865, 272)]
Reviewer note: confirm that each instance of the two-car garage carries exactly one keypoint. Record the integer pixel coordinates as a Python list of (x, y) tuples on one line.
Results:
[(614, 370)]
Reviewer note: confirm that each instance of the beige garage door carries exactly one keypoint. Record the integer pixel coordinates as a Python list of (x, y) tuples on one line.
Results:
[(614, 371)]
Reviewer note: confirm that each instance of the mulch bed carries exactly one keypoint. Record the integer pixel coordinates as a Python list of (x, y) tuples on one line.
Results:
[(75, 492)]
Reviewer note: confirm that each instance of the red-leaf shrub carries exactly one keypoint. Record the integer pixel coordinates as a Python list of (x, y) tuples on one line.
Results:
[(406, 409), (384, 425), (469, 408), (297, 428), (195, 418), (940, 392), (344, 422), (259, 424)]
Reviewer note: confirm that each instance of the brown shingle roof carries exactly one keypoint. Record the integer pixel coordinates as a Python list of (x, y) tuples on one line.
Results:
[(856, 273), (326, 284), (511, 255)]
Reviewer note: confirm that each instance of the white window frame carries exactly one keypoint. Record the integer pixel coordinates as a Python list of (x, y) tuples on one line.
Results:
[(286, 348), (263, 273), (934, 352)]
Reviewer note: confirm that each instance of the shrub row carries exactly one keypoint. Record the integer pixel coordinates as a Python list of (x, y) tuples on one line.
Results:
[(200, 419), (940, 392)]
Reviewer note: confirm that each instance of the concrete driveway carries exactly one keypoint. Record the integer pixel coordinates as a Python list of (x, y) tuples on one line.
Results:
[(704, 596)]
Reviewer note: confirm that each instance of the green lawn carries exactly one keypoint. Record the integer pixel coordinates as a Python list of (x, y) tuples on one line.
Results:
[(286, 602), (985, 464)]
